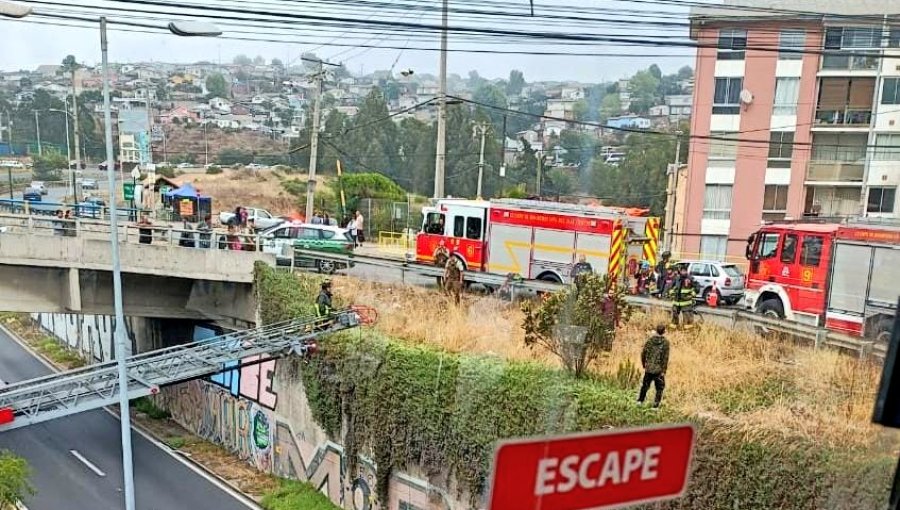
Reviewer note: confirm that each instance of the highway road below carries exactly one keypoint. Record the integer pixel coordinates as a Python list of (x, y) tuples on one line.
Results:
[(77, 463)]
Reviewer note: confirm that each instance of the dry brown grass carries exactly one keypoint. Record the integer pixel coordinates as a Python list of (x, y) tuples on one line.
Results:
[(232, 188), (735, 377)]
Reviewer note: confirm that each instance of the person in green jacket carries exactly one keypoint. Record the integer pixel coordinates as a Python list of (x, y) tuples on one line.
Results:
[(323, 301), (655, 360)]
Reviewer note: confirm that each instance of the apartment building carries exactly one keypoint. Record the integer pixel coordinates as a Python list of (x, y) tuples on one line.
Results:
[(795, 114)]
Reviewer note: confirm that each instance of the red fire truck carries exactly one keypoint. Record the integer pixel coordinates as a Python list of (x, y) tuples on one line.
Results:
[(536, 239), (843, 276)]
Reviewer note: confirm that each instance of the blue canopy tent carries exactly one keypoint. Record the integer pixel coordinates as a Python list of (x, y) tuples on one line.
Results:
[(188, 203)]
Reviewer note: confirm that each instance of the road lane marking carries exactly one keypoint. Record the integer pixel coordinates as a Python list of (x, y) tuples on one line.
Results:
[(87, 463)]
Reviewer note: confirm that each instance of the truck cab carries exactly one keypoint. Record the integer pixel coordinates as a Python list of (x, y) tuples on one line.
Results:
[(457, 225), (788, 273)]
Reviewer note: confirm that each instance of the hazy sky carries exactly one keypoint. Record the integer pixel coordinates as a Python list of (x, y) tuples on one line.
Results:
[(31, 42)]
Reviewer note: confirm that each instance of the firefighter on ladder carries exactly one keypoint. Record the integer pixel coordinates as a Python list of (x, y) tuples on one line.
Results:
[(453, 278)]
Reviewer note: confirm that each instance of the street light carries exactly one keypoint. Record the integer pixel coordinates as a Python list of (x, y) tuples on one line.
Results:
[(178, 28), (14, 10), (69, 152)]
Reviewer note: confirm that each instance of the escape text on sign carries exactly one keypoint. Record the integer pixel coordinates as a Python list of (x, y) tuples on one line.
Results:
[(592, 471)]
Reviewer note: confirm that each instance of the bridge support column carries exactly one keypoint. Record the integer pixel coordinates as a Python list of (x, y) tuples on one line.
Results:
[(73, 294)]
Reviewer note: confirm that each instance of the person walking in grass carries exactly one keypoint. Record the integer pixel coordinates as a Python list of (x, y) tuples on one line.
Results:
[(655, 360)]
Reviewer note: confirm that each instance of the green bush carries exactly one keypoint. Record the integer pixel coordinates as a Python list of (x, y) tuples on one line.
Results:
[(166, 171), (293, 495), (14, 479), (214, 170), (146, 406)]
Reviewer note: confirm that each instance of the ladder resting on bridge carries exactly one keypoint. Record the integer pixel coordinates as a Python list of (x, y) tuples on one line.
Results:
[(95, 386)]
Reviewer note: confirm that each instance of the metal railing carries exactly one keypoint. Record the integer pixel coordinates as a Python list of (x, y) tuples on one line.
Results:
[(169, 235)]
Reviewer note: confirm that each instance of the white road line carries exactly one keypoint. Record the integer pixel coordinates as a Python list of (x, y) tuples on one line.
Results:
[(87, 463)]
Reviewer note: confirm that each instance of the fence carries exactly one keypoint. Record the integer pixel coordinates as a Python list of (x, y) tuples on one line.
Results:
[(389, 216)]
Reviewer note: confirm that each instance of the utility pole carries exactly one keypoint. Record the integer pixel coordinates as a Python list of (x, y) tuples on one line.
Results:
[(483, 128), (37, 128), (671, 190), (314, 144), (441, 145), (77, 130), (205, 144), (540, 170), (503, 149)]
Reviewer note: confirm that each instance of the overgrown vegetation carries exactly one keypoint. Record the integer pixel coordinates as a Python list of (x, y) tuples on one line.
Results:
[(146, 406), (406, 405), (578, 323), (14, 480), (293, 495)]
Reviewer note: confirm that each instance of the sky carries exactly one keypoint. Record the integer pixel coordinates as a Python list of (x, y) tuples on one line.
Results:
[(34, 41)]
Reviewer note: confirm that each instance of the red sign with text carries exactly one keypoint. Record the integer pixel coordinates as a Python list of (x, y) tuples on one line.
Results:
[(595, 471)]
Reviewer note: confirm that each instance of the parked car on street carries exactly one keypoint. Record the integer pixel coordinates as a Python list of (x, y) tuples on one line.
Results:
[(184, 165), (262, 219), (88, 183), (32, 195), (302, 236), (40, 186), (728, 279)]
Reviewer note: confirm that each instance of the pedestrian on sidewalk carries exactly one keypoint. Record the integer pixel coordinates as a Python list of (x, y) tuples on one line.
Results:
[(351, 226), (655, 360), (360, 228)]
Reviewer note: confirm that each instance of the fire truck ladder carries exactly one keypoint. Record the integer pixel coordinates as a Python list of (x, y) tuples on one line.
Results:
[(95, 386)]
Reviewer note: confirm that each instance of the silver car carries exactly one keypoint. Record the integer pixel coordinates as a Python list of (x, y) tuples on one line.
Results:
[(728, 279)]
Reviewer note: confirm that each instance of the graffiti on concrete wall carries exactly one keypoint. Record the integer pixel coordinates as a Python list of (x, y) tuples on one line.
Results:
[(91, 335), (252, 430)]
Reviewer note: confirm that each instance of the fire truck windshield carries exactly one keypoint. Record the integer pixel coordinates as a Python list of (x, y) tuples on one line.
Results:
[(434, 223)]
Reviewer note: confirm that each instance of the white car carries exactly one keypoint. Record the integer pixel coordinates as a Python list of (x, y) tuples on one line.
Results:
[(40, 186), (256, 166), (728, 279), (184, 165), (262, 219)]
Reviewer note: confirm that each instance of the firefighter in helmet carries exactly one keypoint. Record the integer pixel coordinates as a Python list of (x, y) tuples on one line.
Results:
[(683, 295), (323, 301), (453, 278)]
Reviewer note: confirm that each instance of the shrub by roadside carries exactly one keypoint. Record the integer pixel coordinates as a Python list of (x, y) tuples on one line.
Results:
[(294, 495)]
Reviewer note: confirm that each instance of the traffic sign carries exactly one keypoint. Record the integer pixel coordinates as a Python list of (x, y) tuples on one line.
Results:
[(128, 190), (592, 471)]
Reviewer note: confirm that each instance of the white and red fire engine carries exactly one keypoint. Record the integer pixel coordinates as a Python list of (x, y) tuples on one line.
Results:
[(536, 239), (843, 276)]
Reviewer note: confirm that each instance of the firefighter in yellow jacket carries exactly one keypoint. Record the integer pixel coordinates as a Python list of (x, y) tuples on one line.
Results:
[(453, 278)]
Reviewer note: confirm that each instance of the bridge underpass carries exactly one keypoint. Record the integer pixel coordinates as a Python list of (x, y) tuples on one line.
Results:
[(95, 386)]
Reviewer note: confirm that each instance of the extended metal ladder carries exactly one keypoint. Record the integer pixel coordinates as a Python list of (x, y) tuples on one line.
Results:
[(95, 386)]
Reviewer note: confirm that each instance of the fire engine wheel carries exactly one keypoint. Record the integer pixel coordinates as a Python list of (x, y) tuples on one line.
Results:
[(772, 308), (883, 331)]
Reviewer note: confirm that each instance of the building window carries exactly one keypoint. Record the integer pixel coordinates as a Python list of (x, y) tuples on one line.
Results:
[(717, 202), (727, 97), (775, 202), (781, 148), (845, 101), (887, 147), (890, 91), (713, 247), (845, 147), (881, 200), (723, 146), (732, 43), (832, 201), (811, 251), (791, 44), (894, 38), (787, 90)]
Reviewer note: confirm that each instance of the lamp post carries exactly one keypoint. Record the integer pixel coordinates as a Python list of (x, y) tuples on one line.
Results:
[(135, 175), (177, 28), (69, 153)]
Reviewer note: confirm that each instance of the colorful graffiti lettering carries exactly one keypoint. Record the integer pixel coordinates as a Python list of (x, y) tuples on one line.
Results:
[(252, 379), (257, 435)]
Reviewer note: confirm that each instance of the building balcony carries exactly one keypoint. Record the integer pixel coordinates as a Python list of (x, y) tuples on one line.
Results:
[(848, 62), (843, 118), (835, 171)]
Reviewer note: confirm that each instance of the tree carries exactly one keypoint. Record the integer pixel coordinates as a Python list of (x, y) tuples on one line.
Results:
[(581, 109), (685, 72), (490, 94), (229, 157), (643, 87), (242, 60), (567, 322), (640, 179), (216, 85), (14, 480), (259, 60), (49, 166), (610, 107), (475, 79), (516, 83), (162, 93), (70, 65), (655, 71)]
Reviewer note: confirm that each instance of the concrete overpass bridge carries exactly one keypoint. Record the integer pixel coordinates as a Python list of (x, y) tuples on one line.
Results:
[(55, 267)]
